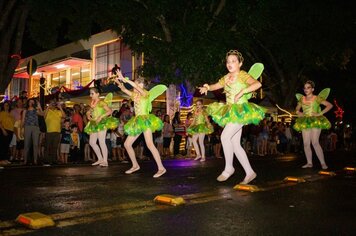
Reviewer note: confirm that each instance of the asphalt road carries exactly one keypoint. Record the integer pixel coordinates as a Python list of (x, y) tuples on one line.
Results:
[(86, 200)]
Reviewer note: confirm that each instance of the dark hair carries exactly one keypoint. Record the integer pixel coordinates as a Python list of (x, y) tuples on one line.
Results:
[(28, 103), (176, 118), (164, 118), (3, 105), (200, 100), (95, 89), (312, 84), (74, 126)]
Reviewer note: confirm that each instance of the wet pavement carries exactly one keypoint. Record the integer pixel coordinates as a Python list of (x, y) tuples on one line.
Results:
[(86, 200)]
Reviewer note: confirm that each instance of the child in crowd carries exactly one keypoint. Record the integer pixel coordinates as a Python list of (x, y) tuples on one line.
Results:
[(65, 142), (75, 144)]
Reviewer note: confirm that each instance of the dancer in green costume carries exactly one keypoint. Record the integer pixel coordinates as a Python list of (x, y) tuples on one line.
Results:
[(100, 120), (312, 120), (143, 121), (198, 128), (237, 111)]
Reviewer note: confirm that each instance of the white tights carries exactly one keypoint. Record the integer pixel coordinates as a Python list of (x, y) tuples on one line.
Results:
[(103, 154), (149, 142), (231, 142), (312, 136), (200, 152)]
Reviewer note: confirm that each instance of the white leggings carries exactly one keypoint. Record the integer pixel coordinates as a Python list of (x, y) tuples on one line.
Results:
[(103, 154), (149, 142), (231, 142), (201, 152), (312, 136)]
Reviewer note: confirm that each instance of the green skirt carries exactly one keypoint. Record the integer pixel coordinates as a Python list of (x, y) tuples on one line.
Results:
[(139, 124), (105, 124), (200, 129), (309, 122), (245, 113)]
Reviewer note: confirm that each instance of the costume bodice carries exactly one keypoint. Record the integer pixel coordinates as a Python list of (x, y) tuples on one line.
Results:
[(98, 110), (141, 103), (311, 106), (232, 86), (199, 117)]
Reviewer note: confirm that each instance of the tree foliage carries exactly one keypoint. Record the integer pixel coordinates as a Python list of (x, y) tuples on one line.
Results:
[(13, 15), (187, 40)]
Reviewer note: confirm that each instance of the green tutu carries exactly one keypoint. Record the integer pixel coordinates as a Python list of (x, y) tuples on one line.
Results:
[(106, 123), (138, 124), (309, 122), (245, 113), (200, 129)]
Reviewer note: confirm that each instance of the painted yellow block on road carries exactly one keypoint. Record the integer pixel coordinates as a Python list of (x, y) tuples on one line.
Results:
[(35, 220), (169, 200)]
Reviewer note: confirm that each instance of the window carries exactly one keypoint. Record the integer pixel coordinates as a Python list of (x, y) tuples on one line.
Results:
[(58, 79), (17, 85), (106, 56), (80, 76)]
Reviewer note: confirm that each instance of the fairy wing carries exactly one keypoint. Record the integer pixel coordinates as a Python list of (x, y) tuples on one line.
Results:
[(256, 70), (324, 93), (154, 93), (298, 96), (108, 99)]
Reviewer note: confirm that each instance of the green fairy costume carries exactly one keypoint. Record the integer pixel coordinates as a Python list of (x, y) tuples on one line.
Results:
[(106, 122), (199, 124), (143, 120), (309, 121), (242, 112)]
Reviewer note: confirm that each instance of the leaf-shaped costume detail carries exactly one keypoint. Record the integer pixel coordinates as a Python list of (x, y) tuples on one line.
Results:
[(255, 72), (154, 93), (298, 96), (108, 99), (324, 93)]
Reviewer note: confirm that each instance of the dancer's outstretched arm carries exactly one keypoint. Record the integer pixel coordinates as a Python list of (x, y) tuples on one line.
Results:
[(207, 87), (122, 87), (134, 85)]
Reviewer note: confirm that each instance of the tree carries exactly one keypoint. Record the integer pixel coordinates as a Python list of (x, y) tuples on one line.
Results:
[(187, 40), (13, 15)]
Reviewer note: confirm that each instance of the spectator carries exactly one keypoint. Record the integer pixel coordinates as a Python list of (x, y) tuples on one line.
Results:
[(178, 133), (32, 129), (65, 142), (53, 117), (74, 144), (7, 122), (167, 133)]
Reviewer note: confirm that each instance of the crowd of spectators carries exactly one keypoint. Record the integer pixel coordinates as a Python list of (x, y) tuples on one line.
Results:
[(54, 134)]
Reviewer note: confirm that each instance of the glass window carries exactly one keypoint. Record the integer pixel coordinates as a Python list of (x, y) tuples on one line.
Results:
[(17, 85), (106, 57), (80, 76), (75, 78), (54, 80)]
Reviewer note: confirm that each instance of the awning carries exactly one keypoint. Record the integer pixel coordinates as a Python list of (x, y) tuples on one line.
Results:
[(53, 67)]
